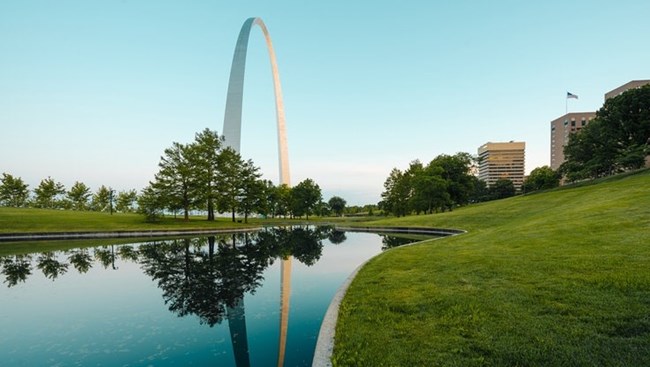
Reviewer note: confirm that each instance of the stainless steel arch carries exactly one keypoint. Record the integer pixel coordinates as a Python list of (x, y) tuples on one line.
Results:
[(234, 99)]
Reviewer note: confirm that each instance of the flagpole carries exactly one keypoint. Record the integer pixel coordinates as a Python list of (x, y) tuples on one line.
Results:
[(566, 105)]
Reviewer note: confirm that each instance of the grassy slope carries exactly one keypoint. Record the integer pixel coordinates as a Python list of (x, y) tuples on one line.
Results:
[(559, 278)]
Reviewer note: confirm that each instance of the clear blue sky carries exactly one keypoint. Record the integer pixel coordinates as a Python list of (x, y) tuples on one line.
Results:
[(96, 90)]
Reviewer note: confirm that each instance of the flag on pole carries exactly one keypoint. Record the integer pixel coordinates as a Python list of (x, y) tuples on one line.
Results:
[(571, 95)]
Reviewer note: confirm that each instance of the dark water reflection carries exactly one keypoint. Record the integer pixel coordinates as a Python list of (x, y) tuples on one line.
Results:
[(207, 278)]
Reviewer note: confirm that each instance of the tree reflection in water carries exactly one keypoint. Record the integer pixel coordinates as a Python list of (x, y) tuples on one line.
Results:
[(16, 268), (205, 277)]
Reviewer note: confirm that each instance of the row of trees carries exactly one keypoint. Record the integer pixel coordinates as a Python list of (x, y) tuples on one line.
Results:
[(208, 176), (616, 140), (50, 194), (447, 182), (440, 185), (203, 175)]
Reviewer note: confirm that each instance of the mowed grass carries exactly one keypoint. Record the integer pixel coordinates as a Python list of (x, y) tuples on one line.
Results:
[(560, 278), (17, 220)]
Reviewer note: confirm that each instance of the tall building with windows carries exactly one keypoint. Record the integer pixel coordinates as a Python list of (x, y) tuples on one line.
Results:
[(561, 128), (502, 161)]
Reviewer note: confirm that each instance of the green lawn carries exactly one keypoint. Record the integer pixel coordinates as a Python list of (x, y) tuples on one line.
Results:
[(560, 278), (16, 220)]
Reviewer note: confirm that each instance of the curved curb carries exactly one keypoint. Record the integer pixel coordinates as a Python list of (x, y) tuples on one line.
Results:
[(325, 341)]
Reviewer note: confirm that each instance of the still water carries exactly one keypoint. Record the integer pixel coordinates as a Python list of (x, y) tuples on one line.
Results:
[(254, 299)]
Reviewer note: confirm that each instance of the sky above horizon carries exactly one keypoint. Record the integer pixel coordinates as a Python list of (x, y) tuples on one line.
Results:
[(95, 91)]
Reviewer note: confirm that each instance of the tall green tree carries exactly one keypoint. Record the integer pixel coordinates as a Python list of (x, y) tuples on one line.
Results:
[(337, 205), (304, 198), (456, 171), (429, 190), (206, 163), (13, 191), (229, 181), (397, 193), (252, 189), (79, 195), (48, 194), (175, 179)]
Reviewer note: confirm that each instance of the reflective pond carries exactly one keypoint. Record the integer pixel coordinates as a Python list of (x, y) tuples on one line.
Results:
[(246, 299)]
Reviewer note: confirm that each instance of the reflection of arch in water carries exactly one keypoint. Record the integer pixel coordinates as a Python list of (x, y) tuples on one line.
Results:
[(285, 293), (234, 99), (232, 133)]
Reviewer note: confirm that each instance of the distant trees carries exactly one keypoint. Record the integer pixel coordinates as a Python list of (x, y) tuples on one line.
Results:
[(618, 139), (441, 185), (78, 195), (126, 201), (48, 194), (13, 191), (337, 205), (541, 178), (503, 188), (102, 200), (305, 197)]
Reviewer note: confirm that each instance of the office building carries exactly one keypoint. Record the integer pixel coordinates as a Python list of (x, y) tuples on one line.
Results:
[(502, 161), (561, 128)]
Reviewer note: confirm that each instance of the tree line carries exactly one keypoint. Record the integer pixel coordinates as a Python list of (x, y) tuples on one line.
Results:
[(616, 140), (51, 194), (203, 175), (208, 176), (448, 181)]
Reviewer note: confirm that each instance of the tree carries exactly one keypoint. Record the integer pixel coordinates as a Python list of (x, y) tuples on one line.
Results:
[(337, 204), (252, 190), (174, 180), (229, 180), (47, 193), (480, 191), (541, 178), (125, 201), (79, 194), (103, 199), (397, 193), (279, 198), (150, 203), (618, 139), (304, 198), (206, 160), (456, 171), (503, 188), (13, 191), (429, 190)]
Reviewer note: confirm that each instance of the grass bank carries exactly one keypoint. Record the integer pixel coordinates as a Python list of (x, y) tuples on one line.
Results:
[(557, 278), (20, 220)]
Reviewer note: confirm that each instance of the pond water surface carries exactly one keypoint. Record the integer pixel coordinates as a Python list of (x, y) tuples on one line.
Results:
[(253, 299)]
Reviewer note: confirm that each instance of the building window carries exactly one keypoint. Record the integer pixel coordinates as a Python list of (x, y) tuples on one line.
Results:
[(573, 123), (583, 123)]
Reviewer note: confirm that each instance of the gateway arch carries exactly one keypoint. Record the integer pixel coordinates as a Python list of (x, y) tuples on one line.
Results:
[(232, 135), (232, 117)]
